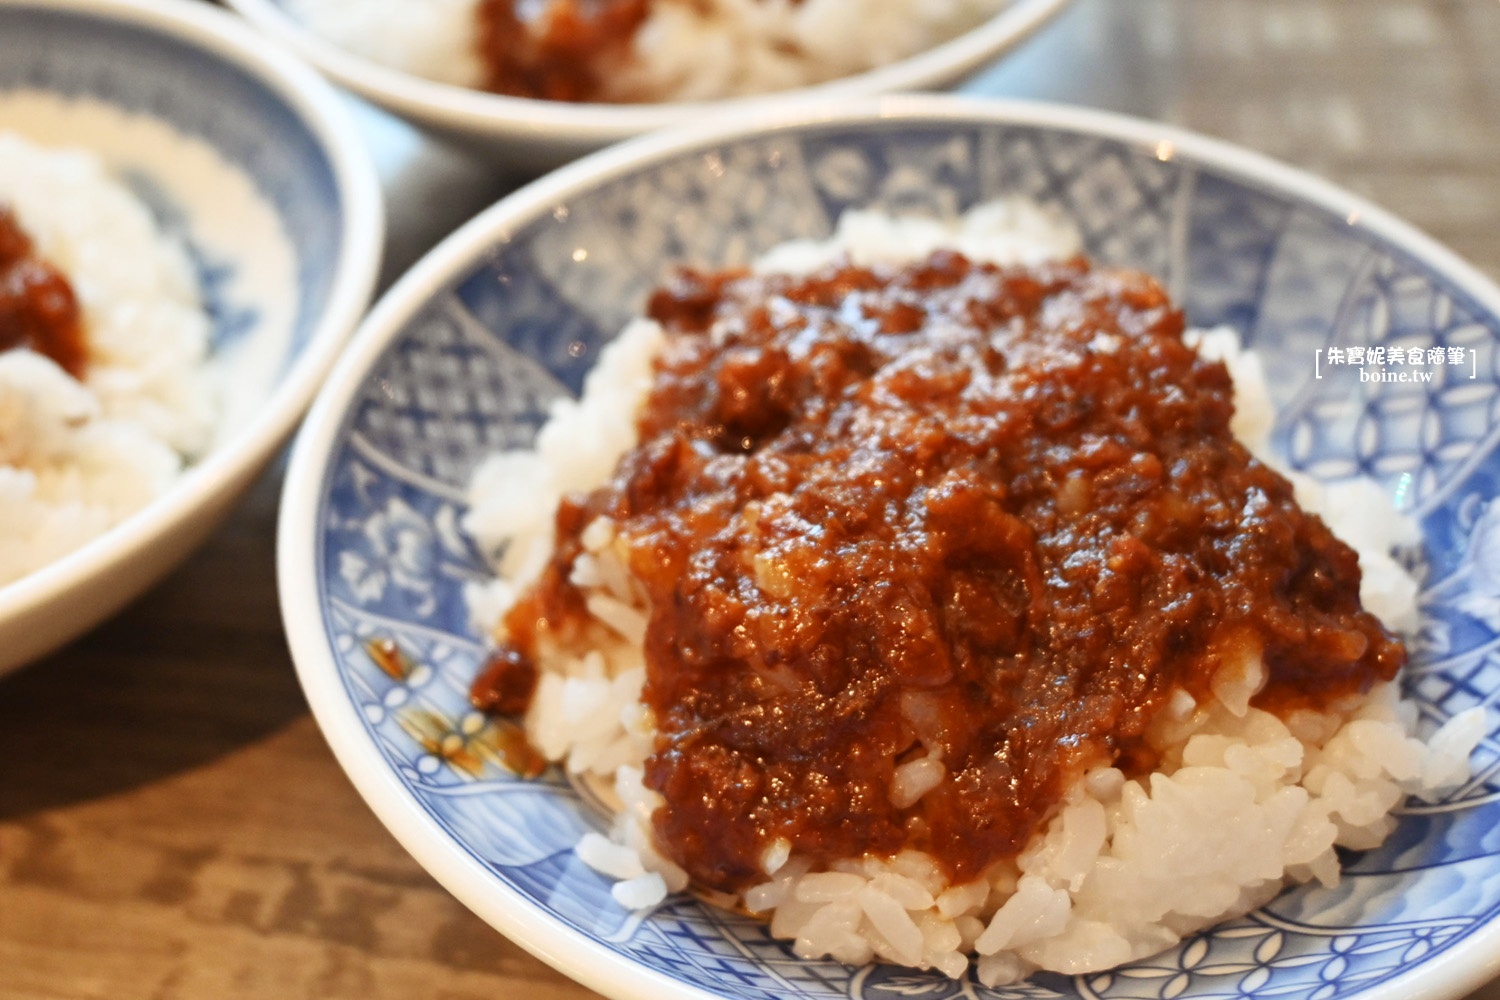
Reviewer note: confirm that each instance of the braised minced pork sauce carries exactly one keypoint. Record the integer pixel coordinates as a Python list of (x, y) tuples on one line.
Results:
[(38, 309), (992, 512), (555, 50)]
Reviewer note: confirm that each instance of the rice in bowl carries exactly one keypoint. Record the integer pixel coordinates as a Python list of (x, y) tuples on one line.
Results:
[(637, 50), (80, 454), (1238, 801)]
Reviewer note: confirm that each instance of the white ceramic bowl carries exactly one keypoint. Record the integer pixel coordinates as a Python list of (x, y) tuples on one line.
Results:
[(461, 357), (534, 134), (249, 157)]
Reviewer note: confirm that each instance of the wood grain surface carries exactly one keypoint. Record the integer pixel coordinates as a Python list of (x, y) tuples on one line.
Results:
[(172, 824)]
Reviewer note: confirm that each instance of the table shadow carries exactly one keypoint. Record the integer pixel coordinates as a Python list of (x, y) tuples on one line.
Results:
[(194, 670)]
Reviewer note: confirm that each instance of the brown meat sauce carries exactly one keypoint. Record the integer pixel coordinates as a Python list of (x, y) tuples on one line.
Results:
[(38, 309), (558, 50), (555, 50), (994, 513)]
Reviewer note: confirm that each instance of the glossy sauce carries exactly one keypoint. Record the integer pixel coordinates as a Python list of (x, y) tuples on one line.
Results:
[(38, 309), (555, 50), (992, 514)]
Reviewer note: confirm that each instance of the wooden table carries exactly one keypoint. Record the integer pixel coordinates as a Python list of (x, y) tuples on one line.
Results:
[(171, 822)]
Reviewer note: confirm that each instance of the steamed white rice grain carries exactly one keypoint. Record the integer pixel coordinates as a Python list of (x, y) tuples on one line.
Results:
[(686, 50), (427, 38), (1243, 801), (77, 457)]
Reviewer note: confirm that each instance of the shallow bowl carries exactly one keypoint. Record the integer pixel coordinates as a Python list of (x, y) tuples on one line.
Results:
[(249, 158), (462, 357), (533, 134)]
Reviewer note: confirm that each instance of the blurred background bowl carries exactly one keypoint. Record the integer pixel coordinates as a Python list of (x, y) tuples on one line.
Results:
[(249, 158), (461, 358), (531, 135)]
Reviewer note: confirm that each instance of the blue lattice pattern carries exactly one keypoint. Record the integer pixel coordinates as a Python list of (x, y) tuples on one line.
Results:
[(1414, 429), (1244, 958), (643, 222), (477, 368), (452, 394), (1121, 198)]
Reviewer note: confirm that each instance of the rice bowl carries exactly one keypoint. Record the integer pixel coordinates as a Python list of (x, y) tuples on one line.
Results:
[(672, 52), (1240, 802), (274, 258), (372, 566), (535, 134)]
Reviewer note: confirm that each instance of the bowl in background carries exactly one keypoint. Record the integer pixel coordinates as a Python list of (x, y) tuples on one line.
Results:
[(462, 357), (534, 134), (250, 159)]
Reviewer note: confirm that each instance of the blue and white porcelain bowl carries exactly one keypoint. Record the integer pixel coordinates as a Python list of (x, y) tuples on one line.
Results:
[(463, 355), (250, 160)]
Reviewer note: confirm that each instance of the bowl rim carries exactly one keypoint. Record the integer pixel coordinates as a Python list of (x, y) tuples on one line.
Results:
[(1457, 970), (229, 464), (464, 109)]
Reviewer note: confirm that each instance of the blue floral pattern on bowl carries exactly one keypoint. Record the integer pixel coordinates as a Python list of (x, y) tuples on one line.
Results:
[(474, 370)]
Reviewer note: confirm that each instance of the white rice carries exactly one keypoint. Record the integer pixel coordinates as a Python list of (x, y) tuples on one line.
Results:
[(686, 49), (76, 457), (1243, 803), (428, 38)]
